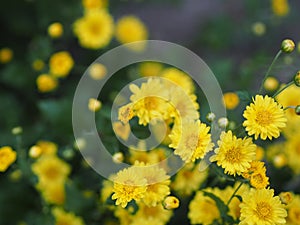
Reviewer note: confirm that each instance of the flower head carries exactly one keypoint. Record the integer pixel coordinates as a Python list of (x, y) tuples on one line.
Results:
[(60, 64), (46, 83), (95, 29), (231, 100), (264, 118), (259, 206), (7, 157), (6, 55), (234, 154), (66, 218), (55, 30)]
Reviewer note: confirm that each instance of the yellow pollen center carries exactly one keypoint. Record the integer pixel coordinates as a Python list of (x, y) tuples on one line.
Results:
[(264, 118), (151, 103), (263, 210), (95, 29), (191, 142), (233, 155)]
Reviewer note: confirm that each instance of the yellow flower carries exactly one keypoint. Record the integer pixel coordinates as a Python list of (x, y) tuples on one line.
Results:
[(148, 69), (60, 64), (149, 101), (259, 180), (106, 190), (157, 183), (47, 147), (94, 4), (7, 157), (171, 202), (256, 166), (188, 179), (66, 218), (50, 170), (125, 113), (292, 150), (286, 197), (234, 154), (179, 78), (264, 118), (259, 28), (121, 130), (191, 140), (130, 29), (294, 211), (35, 151), (129, 184), (260, 152), (271, 84), (259, 206), (231, 100), (54, 193), (38, 65), (203, 209), (94, 105), (6, 55), (280, 7), (55, 30), (46, 83), (95, 29), (97, 71)]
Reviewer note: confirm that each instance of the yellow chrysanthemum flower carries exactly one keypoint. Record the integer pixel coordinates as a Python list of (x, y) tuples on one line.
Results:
[(95, 29), (231, 100), (150, 69), (94, 4), (203, 209), (94, 105), (6, 55), (50, 169), (157, 184), (126, 113), (66, 218), (259, 180), (55, 30), (54, 193), (191, 140), (47, 147), (130, 29), (280, 7), (234, 154), (46, 83), (264, 118), (179, 78), (293, 208), (188, 179), (60, 64), (259, 206), (7, 157), (106, 190), (271, 84), (97, 71), (149, 101), (129, 184)]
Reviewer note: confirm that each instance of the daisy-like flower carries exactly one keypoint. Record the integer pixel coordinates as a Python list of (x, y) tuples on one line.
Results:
[(293, 211), (129, 184), (260, 206), (157, 184), (149, 101), (257, 175), (264, 118), (191, 140), (234, 154)]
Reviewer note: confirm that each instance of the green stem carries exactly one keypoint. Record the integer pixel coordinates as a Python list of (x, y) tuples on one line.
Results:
[(269, 70), (233, 194), (282, 89)]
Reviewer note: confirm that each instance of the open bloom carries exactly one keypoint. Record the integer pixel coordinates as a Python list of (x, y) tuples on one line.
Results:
[(259, 206), (264, 118), (7, 157)]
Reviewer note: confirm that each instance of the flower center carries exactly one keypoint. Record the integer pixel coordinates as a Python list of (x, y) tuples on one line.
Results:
[(95, 29), (263, 210), (264, 118), (191, 142), (151, 103), (233, 155)]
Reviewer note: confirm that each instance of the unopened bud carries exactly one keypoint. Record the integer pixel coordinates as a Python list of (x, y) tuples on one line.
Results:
[(118, 157), (171, 202), (223, 122), (287, 45), (35, 151), (17, 130), (297, 79), (297, 110), (210, 117), (285, 197)]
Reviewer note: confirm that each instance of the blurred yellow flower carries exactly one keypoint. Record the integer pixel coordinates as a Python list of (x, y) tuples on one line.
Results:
[(231, 100), (264, 118), (286, 197), (234, 154), (94, 4), (47, 147), (94, 105), (129, 184), (54, 193), (148, 69), (259, 206), (130, 29), (60, 64), (125, 113), (46, 83), (260, 153), (95, 29), (294, 211), (35, 151), (280, 7), (66, 218), (259, 28), (271, 84), (6, 55), (7, 157), (38, 64), (171, 202), (121, 130), (97, 71), (55, 30)]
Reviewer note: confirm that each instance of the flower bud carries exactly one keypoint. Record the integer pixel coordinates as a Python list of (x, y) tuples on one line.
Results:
[(17, 130), (297, 110), (210, 117), (297, 79), (35, 151), (271, 84), (287, 46), (118, 157), (223, 122), (285, 197), (171, 202)]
